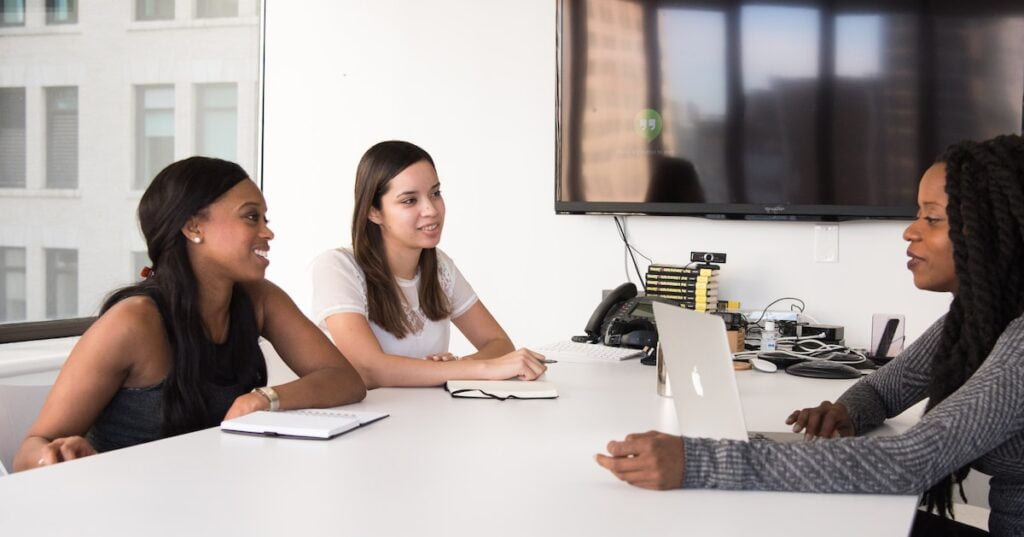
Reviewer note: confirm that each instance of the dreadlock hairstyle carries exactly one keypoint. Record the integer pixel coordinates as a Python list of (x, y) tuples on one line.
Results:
[(180, 191), (985, 185), (379, 165)]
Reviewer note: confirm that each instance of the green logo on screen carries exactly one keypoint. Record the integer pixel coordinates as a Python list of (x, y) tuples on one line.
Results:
[(648, 124)]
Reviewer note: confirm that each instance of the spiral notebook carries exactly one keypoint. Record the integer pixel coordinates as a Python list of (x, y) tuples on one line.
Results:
[(310, 423)]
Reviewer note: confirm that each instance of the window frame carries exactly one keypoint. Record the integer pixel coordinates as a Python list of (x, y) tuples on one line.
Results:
[(52, 20), (138, 17), (3, 6)]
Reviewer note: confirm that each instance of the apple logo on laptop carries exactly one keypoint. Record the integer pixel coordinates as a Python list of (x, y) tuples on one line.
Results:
[(695, 378)]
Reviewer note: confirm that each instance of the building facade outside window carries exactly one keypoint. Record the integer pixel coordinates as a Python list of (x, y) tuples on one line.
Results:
[(12, 137), (154, 131), (61, 283), (12, 284), (88, 116), (217, 120), (154, 10), (62, 137), (12, 13), (61, 11)]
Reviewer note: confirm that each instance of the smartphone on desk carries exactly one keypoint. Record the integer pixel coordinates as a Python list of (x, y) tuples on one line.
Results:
[(887, 336)]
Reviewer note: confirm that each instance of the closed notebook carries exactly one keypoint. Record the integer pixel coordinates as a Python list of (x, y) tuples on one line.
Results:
[(502, 389), (310, 423)]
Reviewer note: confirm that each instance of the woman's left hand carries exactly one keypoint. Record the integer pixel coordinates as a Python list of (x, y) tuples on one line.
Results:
[(442, 357), (247, 404), (650, 460)]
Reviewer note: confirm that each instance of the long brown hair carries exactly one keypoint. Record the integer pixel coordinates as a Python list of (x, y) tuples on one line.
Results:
[(379, 165)]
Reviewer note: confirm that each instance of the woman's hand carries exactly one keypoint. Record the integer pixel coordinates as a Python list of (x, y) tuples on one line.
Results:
[(442, 357), (650, 460), (522, 364), (828, 420), (247, 404), (65, 449)]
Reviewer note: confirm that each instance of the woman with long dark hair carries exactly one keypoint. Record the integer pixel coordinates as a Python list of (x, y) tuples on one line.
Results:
[(179, 351), (389, 301), (967, 240)]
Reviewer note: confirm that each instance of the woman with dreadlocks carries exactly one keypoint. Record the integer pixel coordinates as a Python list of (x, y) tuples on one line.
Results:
[(968, 240)]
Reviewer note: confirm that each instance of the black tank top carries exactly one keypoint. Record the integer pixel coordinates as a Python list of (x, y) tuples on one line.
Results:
[(135, 415)]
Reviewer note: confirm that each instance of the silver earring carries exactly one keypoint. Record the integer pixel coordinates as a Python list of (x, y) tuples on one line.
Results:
[(197, 240)]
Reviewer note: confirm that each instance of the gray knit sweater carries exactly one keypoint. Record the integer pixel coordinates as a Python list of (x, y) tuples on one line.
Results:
[(981, 424)]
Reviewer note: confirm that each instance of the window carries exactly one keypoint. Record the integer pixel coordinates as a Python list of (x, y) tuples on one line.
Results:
[(61, 283), (62, 137), (61, 11), (208, 9), (154, 10), (12, 13), (217, 120), (12, 137), (154, 132), (87, 120), (140, 260), (12, 284)]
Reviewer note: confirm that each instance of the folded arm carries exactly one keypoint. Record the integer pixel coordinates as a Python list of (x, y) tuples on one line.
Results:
[(352, 334)]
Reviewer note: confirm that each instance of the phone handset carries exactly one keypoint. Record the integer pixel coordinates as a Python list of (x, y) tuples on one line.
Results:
[(619, 295)]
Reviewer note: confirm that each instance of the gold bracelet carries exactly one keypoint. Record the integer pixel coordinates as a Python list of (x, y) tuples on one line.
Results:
[(271, 395)]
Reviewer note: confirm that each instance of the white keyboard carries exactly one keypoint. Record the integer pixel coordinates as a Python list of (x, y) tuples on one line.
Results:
[(570, 351)]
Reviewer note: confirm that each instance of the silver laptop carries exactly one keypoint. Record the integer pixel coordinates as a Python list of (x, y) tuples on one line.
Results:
[(696, 353)]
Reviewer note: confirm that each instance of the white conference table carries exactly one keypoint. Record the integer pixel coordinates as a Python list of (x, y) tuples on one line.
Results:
[(442, 466)]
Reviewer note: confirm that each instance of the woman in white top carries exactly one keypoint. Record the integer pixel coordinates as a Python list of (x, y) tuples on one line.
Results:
[(387, 302)]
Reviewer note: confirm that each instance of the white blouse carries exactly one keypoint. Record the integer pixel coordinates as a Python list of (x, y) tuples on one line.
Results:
[(339, 286)]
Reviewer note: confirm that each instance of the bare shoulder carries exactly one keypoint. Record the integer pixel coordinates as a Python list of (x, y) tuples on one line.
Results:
[(136, 316), (267, 299), (262, 292), (128, 331)]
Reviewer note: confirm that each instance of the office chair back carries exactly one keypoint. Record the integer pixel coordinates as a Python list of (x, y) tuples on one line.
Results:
[(19, 407)]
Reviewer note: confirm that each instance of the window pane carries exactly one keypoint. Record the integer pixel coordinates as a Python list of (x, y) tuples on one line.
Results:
[(153, 10), (12, 12), (140, 260), (12, 137), (154, 135), (12, 284), (216, 8), (61, 11), (216, 120), (62, 137), (780, 80), (61, 283)]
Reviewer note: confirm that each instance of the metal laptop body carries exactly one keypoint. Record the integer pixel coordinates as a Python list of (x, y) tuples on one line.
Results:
[(705, 394)]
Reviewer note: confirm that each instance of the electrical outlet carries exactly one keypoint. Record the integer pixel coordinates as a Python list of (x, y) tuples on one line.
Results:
[(770, 315), (826, 243)]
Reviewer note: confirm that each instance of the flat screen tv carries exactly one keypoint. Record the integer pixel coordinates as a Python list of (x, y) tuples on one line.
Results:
[(813, 109)]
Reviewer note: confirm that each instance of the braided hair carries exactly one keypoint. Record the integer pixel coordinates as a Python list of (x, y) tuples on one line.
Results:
[(985, 211)]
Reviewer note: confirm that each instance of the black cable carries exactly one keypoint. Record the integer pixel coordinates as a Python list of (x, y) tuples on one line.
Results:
[(622, 233)]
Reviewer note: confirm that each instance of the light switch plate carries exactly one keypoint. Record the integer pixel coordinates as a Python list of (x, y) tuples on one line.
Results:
[(826, 243)]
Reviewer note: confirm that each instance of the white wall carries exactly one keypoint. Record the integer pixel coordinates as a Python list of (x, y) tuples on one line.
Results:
[(474, 84)]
